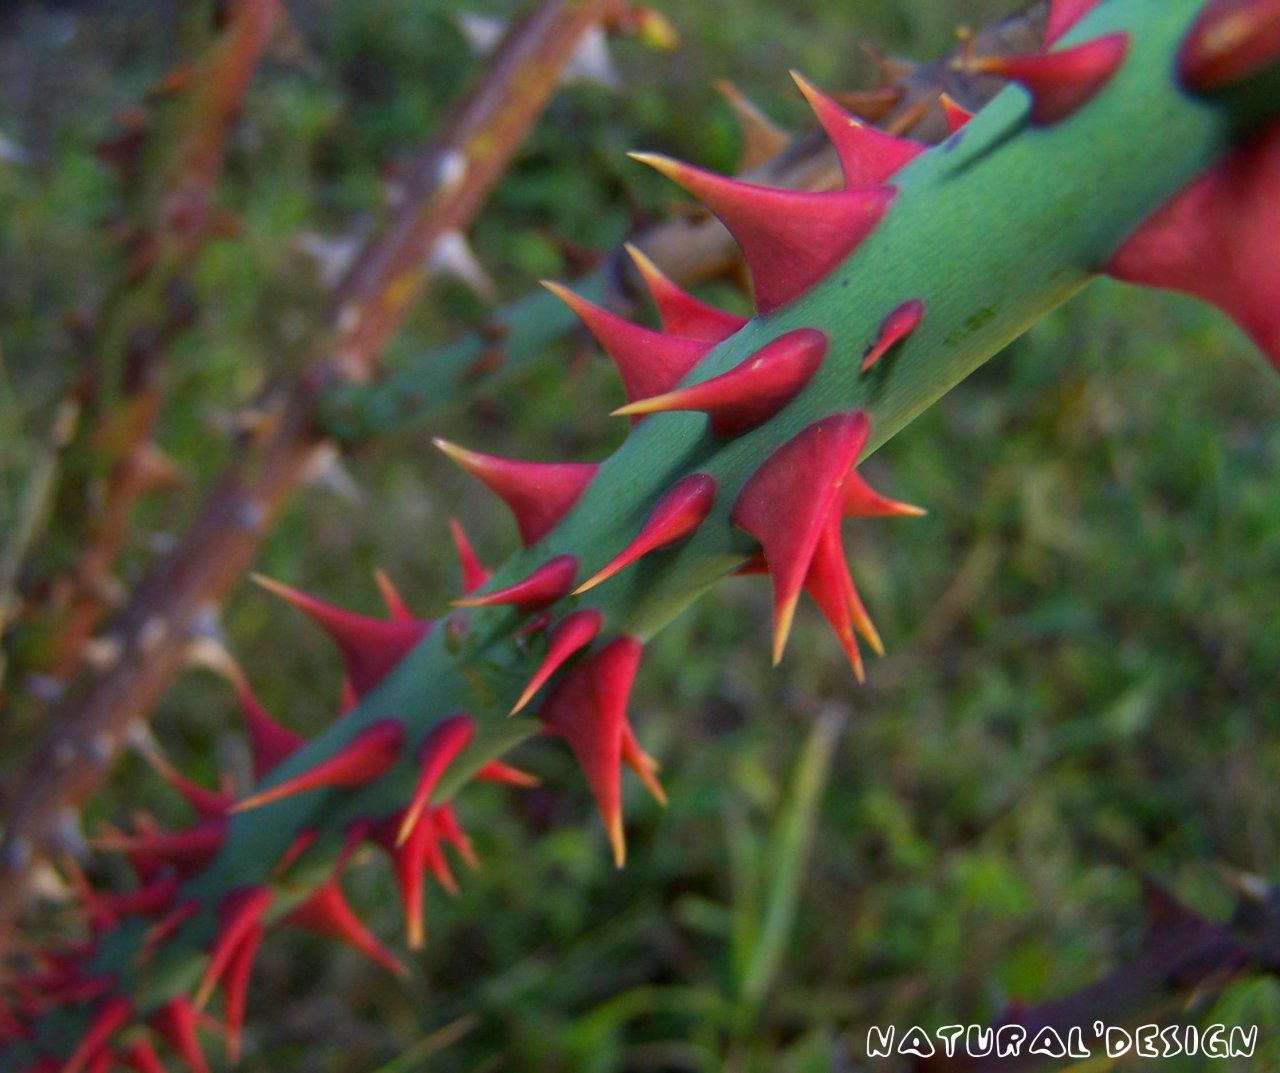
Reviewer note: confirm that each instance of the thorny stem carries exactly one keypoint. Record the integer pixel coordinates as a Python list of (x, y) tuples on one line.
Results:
[(448, 184), (688, 248)]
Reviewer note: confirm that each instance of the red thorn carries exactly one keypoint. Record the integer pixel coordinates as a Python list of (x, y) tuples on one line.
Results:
[(648, 362), (681, 509), (538, 494), (790, 239), (473, 573), (397, 610), (575, 631), (752, 392), (860, 500), (954, 114), (361, 760), (1064, 14), (327, 913), (141, 1057), (163, 929), (239, 913), (269, 742), (1216, 240), (370, 647), (235, 989), (545, 585), (497, 771), (1061, 82), (896, 327), (787, 502), (438, 750), (680, 312), (1230, 40), (108, 1018), (588, 708), (175, 1023), (184, 851), (208, 804), (644, 765), (867, 156), (302, 841)]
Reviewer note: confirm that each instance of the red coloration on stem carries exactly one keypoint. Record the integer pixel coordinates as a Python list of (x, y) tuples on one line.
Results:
[(588, 708), (175, 1023), (750, 393), (473, 572), (327, 913), (682, 508), (1060, 83), (788, 502), (867, 156), (538, 494), (1217, 239), (1230, 40), (438, 750), (366, 756), (370, 647), (648, 362), (575, 631), (681, 313), (110, 1016), (896, 327), (239, 913), (954, 115), (545, 585), (790, 239), (1064, 14)]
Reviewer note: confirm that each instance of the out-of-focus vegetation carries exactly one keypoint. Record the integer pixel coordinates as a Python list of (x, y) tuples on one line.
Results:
[(1084, 633)]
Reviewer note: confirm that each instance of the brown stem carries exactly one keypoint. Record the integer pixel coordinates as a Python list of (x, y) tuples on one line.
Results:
[(1181, 954), (448, 183)]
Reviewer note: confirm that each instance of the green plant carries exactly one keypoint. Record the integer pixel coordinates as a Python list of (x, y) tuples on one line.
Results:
[(873, 301)]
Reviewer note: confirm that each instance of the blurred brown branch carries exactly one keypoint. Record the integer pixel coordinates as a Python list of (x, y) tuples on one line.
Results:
[(169, 155), (1181, 955), (446, 186)]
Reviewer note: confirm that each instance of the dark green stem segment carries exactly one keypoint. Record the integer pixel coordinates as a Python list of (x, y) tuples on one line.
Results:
[(991, 230)]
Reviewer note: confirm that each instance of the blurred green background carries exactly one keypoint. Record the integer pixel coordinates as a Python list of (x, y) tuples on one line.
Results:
[(1084, 633)]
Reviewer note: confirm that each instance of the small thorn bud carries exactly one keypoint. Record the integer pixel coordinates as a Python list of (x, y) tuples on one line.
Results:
[(954, 115), (474, 575), (896, 327)]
